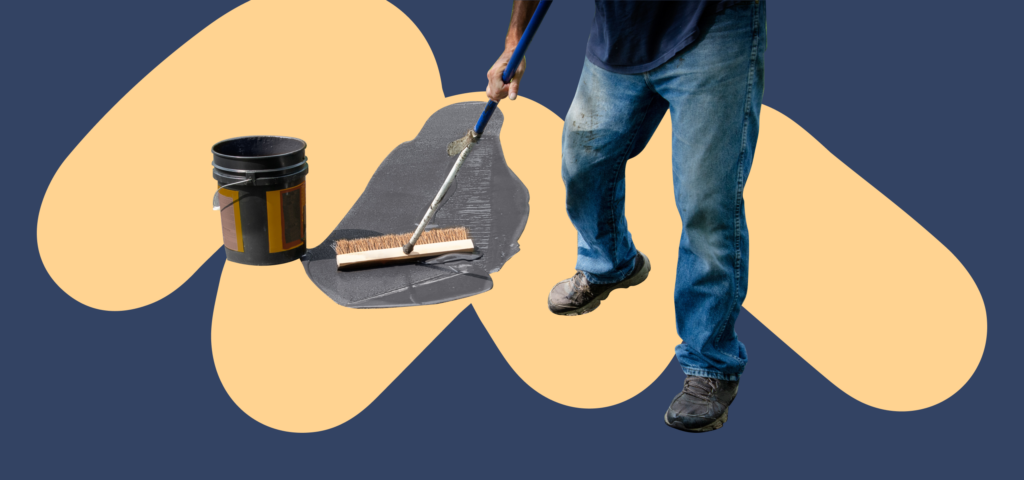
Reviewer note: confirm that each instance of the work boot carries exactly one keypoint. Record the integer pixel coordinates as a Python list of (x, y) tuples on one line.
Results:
[(703, 405), (576, 296)]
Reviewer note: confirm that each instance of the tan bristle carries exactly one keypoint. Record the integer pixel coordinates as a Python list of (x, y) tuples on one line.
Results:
[(397, 240)]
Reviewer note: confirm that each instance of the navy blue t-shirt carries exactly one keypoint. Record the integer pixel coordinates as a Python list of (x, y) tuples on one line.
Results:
[(636, 37)]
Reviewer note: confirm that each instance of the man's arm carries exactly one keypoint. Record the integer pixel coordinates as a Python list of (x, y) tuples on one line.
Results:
[(522, 11)]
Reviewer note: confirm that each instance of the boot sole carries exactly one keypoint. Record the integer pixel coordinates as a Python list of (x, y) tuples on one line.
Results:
[(596, 302), (718, 423)]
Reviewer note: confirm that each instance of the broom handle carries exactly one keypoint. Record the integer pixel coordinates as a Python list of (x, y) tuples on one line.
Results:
[(510, 70), (513, 62), (407, 248)]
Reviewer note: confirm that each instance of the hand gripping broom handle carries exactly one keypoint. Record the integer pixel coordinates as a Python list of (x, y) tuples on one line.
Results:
[(513, 62), (510, 70)]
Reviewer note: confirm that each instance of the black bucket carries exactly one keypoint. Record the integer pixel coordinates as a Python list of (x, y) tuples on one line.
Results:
[(262, 198)]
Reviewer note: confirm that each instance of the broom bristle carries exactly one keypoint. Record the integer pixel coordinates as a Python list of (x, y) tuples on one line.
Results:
[(398, 240)]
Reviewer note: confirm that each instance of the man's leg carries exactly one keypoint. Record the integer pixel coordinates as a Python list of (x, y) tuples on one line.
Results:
[(714, 89), (611, 119)]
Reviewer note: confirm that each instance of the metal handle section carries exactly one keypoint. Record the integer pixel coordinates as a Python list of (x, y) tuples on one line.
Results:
[(510, 69), (407, 248)]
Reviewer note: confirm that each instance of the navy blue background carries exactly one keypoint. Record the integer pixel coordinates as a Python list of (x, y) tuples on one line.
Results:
[(921, 99)]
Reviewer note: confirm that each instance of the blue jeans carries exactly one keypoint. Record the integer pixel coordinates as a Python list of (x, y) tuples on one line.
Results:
[(713, 90)]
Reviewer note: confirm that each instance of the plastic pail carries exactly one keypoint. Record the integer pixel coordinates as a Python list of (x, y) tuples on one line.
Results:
[(261, 192)]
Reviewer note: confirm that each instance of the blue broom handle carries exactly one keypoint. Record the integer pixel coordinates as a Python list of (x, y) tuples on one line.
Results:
[(513, 62)]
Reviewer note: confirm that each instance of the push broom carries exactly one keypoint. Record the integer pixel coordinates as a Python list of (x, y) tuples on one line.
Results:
[(420, 244)]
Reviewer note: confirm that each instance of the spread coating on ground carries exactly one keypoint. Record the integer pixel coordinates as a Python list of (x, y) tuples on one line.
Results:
[(487, 198)]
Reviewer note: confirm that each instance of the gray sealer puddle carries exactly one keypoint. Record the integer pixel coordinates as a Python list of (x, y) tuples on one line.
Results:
[(487, 198)]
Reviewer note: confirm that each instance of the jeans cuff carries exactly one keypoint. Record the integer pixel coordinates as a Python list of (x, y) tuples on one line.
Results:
[(605, 280), (700, 372), (616, 278)]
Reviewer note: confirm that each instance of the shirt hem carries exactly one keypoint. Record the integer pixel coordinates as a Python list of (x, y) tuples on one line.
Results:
[(646, 67)]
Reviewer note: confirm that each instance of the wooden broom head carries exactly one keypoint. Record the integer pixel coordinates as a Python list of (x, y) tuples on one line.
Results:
[(342, 247)]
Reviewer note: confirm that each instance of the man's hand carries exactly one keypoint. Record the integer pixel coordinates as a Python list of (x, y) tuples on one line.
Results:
[(498, 89)]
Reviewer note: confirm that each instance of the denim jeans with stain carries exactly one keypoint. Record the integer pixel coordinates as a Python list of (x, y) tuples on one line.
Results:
[(713, 90)]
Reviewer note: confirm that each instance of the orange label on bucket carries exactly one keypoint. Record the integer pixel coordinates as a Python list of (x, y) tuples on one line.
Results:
[(230, 220), (286, 218)]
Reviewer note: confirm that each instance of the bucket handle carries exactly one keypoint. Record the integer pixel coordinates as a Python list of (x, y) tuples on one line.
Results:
[(250, 174), (216, 201)]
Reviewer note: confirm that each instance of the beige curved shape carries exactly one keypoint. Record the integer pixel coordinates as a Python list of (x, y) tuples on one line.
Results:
[(294, 360), (838, 272), (851, 282), (127, 218)]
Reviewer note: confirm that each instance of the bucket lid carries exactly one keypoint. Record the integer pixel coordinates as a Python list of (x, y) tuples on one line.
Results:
[(259, 152)]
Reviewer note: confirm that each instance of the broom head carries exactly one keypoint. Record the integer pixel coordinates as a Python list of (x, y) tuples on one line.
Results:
[(388, 248)]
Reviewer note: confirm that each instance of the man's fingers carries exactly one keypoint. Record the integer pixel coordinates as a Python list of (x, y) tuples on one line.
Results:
[(497, 94), (513, 90), (496, 90)]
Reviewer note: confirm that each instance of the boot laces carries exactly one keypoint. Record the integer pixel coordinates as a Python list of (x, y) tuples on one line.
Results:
[(580, 285), (700, 387)]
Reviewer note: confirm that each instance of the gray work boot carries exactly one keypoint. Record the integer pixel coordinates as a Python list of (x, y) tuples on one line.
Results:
[(703, 405), (576, 296)]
